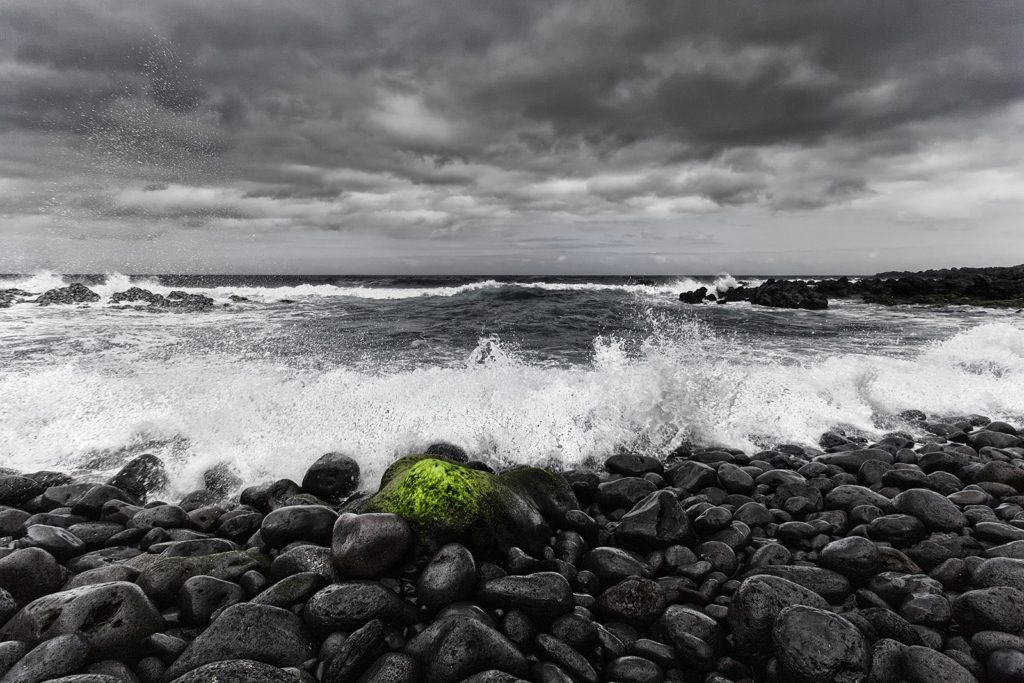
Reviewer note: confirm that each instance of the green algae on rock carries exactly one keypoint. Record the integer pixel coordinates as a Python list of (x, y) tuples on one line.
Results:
[(444, 501)]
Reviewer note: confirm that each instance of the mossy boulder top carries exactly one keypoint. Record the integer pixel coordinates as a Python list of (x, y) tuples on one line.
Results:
[(444, 501)]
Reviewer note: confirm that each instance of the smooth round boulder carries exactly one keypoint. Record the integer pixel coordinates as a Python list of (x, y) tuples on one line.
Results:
[(28, 573), (635, 601), (543, 595), (449, 577), (246, 631), (291, 523), (114, 617), (925, 665), (368, 545), (754, 609), (60, 543), (201, 596), (936, 511), (350, 604), (855, 557), (1000, 608), (333, 477), (51, 659), (813, 645)]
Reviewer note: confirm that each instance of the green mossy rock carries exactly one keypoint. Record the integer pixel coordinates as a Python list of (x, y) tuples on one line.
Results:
[(444, 502)]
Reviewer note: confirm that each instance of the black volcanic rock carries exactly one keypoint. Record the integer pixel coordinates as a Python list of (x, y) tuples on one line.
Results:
[(788, 294), (72, 294)]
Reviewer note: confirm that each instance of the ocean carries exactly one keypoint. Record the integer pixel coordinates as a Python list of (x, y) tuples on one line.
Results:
[(556, 371)]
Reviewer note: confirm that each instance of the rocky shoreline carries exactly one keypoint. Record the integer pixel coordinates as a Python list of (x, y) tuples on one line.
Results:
[(895, 560), (989, 287)]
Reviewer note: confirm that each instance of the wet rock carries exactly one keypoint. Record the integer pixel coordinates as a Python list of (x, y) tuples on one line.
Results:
[(656, 521), (832, 586), (934, 510), (244, 631), (566, 658), (888, 624), (691, 475), (368, 545), (361, 648), (29, 573), (141, 476), (292, 523), (695, 636), (90, 503), (999, 608), (755, 607), (611, 565), (898, 529), (7, 606), (924, 665), (633, 465), (236, 671), (926, 609), (201, 596), (635, 601), (164, 578), (290, 591), (462, 647), (75, 293), (114, 618), (814, 645), (16, 490), (60, 543), (623, 493), (854, 556), (160, 517), (543, 595), (392, 667), (788, 294), (449, 577), (54, 658), (10, 652), (852, 461), (1006, 666), (631, 669), (1001, 473), (333, 477), (997, 571), (304, 558), (351, 604)]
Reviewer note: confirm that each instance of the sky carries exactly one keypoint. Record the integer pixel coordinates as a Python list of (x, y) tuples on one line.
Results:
[(497, 137)]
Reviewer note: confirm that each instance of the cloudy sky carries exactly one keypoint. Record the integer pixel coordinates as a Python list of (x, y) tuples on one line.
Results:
[(548, 136)]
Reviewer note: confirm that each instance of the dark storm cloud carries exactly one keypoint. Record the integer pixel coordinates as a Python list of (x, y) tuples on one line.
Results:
[(467, 118)]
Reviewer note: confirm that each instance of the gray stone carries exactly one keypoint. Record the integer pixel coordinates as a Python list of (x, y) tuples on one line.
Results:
[(244, 631), (813, 645), (114, 617)]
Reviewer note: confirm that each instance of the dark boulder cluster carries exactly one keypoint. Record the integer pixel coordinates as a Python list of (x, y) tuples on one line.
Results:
[(993, 287), (895, 560), (176, 300), (999, 287), (773, 293), (78, 293)]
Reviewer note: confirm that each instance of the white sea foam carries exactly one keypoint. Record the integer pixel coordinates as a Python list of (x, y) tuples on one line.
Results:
[(272, 419), (118, 282)]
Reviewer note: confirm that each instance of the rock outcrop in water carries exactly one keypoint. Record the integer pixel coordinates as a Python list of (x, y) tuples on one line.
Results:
[(895, 560), (75, 293), (997, 287), (176, 300), (788, 294), (992, 287)]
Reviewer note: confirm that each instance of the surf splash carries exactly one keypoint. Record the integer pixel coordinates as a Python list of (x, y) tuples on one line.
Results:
[(683, 383)]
